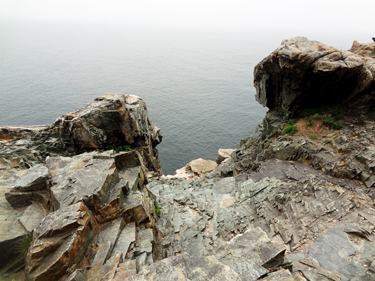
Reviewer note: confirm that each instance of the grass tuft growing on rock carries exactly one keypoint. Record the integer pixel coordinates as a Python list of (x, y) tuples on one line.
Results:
[(316, 122), (119, 149), (22, 245), (291, 129), (123, 148), (331, 122), (157, 209)]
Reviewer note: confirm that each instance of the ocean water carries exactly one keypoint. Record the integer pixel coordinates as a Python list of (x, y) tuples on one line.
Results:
[(197, 84)]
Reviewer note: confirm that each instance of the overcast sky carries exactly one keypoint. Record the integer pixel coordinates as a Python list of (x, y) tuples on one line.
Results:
[(344, 14)]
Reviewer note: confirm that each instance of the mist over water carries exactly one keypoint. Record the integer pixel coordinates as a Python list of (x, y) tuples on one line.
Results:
[(197, 84)]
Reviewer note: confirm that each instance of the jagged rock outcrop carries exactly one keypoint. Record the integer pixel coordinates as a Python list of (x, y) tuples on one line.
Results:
[(240, 259), (75, 210), (365, 50), (96, 212), (108, 122), (303, 73)]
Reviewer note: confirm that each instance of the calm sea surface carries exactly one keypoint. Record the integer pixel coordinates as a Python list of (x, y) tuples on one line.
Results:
[(198, 85)]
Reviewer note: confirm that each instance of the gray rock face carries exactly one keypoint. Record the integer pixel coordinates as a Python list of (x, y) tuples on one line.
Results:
[(63, 233), (241, 259), (36, 178), (102, 216), (110, 121), (11, 229), (186, 268), (97, 219), (303, 73), (32, 216), (292, 203), (32, 185), (93, 179)]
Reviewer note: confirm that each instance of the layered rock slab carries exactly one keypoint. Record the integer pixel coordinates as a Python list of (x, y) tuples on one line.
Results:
[(109, 186), (32, 186), (241, 259), (185, 268), (293, 203), (11, 229), (60, 241), (95, 187)]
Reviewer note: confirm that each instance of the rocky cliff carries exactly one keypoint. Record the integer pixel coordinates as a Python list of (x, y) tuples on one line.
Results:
[(303, 73), (83, 196), (108, 122), (296, 201)]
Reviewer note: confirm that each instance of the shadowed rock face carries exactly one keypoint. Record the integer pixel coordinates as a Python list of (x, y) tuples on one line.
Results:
[(303, 73)]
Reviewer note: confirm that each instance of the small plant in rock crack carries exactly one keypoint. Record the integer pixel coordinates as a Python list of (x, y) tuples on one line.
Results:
[(314, 137), (22, 245), (157, 209), (290, 129), (310, 119), (119, 149), (333, 123), (123, 148)]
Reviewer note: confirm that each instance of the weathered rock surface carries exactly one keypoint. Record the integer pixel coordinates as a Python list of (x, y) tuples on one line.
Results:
[(195, 169), (303, 73), (365, 50), (102, 216), (11, 229), (60, 241), (223, 154), (75, 208), (293, 203), (109, 121)]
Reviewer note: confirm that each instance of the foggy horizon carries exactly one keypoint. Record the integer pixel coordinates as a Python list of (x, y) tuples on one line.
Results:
[(317, 20), (236, 14)]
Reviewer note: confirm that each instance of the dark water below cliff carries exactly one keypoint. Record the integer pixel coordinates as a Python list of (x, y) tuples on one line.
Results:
[(197, 84)]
